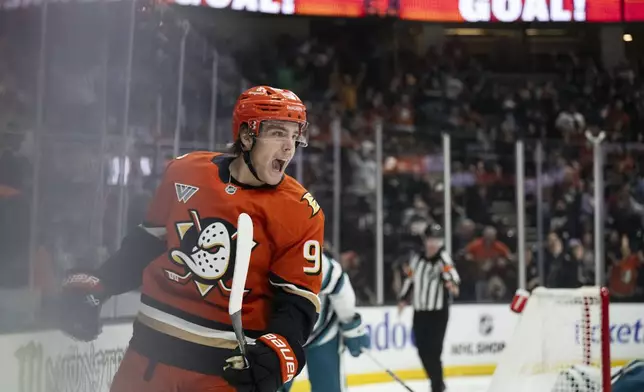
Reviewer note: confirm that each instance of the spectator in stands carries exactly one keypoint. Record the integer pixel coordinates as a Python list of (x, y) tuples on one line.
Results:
[(501, 280), (566, 268), (478, 202), (553, 254), (350, 262), (532, 270), (487, 248), (488, 265), (347, 91), (617, 120), (403, 115), (624, 276), (569, 122), (586, 270), (567, 207), (492, 290), (464, 234)]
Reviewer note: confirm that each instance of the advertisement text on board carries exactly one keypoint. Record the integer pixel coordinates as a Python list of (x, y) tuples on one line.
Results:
[(73, 370)]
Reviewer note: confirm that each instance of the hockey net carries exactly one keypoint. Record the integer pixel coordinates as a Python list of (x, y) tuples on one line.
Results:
[(561, 344)]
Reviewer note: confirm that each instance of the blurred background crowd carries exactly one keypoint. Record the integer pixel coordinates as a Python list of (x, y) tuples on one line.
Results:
[(90, 114)]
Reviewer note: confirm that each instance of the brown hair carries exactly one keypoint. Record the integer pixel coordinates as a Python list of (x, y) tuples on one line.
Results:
[(237, 148)]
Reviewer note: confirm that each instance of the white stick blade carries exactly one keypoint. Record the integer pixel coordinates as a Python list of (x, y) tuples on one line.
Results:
[(242, 261)]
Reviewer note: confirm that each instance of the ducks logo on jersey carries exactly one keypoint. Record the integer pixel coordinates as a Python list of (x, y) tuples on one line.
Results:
[(207, 253)]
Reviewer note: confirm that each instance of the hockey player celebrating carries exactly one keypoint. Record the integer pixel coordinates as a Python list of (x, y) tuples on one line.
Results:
[(182, 257), (339, 326)]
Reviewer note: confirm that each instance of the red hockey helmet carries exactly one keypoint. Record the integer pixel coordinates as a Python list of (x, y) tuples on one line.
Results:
[(264, 103)]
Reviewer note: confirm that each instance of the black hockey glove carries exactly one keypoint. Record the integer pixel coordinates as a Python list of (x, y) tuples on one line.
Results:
[(270, 363), (80, 306)]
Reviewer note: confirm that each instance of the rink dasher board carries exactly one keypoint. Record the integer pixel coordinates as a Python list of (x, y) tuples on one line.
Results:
[(48, 361)]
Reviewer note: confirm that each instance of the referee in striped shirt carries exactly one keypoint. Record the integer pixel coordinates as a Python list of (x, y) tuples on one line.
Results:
[(431, 281)]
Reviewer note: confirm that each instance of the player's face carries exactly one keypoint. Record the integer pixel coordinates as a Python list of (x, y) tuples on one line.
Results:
[(274, 149)]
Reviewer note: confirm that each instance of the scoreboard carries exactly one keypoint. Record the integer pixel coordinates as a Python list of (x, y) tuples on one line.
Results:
[(447, 11)]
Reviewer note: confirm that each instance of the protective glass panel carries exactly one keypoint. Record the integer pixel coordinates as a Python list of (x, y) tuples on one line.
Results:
[(338, 169), (561, 187), (484, 214), (413, 190)]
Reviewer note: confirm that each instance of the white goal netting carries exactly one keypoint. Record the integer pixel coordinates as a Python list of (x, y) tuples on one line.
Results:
[(560, 344)]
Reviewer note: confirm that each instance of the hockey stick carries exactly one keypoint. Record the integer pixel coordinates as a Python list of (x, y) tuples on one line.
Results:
[(242, 262), (389, 372)]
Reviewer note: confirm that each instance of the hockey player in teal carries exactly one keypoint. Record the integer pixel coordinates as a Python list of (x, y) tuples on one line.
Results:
[(630, 378), (339, 327)]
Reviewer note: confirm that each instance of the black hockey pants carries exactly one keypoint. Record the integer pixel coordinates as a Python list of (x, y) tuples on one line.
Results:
[(429, 331)]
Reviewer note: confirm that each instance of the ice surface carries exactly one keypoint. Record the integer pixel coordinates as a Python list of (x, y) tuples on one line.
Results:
[(454, 384)]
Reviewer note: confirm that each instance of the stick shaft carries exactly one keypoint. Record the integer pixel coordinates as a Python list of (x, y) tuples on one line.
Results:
[(244, 243), (389, 372)]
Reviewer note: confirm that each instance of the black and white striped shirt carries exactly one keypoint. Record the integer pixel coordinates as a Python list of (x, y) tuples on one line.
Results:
[(426, 279)]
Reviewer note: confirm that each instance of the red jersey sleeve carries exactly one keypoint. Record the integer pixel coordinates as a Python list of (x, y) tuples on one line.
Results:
[(296, 272), (298, 262)]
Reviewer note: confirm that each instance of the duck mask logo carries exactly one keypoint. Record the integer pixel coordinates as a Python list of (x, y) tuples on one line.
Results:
[(207, 253)]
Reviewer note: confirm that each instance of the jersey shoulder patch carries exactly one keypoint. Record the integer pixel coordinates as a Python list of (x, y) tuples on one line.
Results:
[(293, 216), (312, 203), (300, 200)]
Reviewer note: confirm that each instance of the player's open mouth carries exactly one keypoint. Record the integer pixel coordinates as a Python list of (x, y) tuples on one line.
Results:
[(278, 164)]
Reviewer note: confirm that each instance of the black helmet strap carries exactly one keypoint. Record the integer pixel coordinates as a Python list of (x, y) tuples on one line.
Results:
[(249, 162)]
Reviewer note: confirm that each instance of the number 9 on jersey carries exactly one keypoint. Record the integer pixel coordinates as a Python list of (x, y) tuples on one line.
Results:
[(313, 255)]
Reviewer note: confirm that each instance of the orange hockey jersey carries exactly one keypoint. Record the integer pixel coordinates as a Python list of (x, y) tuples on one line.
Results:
[(184, 318)]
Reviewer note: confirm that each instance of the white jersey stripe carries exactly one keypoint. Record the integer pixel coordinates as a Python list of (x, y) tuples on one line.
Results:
[(187, 326)]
